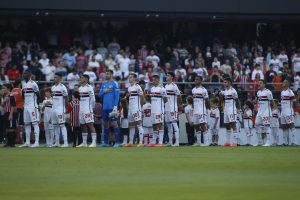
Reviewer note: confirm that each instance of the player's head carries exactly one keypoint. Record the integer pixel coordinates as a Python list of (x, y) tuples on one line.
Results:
[(262, 84), (286, 83), (6, 88), (170, 77), (132, 78), (75, 95), (26, 75), (84, 78), (76, 87), (214, 103), (57, 78), (109, 74), (155, 80), (148, 98), (227, 82), (248, 105), (47, 92), (189, 100), (198, 80)]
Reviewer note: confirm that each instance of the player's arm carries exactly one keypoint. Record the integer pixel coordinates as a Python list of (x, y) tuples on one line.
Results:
[(101, 92), (92, 97), (141, 94), (237, 103)]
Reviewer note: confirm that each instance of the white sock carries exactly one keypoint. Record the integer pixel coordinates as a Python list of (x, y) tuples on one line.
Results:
[(65, 135), (47, 137), (94, 137), (170, 132), (228, 134), (141, 133), (160, 136), (205, 137), (274, 135), (27, 133), (176, 132), (293, 134), (248, 139), (84, 138), (51, 136), (36, 133), (258, 133), (154, 137), (268, 132), (235, 137), (198, 137), (125, 139), (285, 136), (131, 134), (57, 134)]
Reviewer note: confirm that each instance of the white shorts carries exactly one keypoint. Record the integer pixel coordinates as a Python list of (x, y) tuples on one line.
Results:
[(248, 123), (171, 116), (58, 117), (157, 118), (199, 119), (263, 120), (86, 117), (31, 115), (286, 119), (229, 118), (134, 116), (124, 123)]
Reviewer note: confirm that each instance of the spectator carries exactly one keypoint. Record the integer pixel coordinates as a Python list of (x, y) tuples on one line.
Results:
[(113, 47), (93, 63), (153, 59), (215, 78), (282, 57), (277, 81), (89, 52), (102, 50), (296, 63), (124, 62), (270, 74), (73, 78), (13, 73), (89, 71), (275, 62), (226, 68), (216, 63), (189, 62), (49, 71), (110, 63), (143, 52), (44, 61), (257, 70), (70, 58)]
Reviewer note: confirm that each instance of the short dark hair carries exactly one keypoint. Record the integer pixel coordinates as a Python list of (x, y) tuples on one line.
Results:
[(48, 89), (58, 74), (249, 104), (86, 76), (228, 79), (148, 98), (76, 94), (264, 81), (142, 82), (111, 71), (155, 76), (190, 100), (288, 79), (197, 76), (171, 74), (133, 74)]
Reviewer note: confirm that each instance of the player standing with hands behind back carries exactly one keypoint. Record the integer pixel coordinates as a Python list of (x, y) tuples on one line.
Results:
[(110, 93)]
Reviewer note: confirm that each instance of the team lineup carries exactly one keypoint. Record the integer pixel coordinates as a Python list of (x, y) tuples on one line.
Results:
[(149, 114)]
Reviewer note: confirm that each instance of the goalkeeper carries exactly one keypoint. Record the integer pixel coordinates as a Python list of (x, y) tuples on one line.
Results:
[(109, 93)]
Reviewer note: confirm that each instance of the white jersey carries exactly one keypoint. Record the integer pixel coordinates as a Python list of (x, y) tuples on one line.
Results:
[(287, 99), (135, 92), (188, 110), (157, 101), (172, 93), (248, 114), (146, 111), (29, 90), (87, 98), (230, 96), (214, 115), (47, 103), (59, 92), (264, 97), (200, 94), (275, 118)]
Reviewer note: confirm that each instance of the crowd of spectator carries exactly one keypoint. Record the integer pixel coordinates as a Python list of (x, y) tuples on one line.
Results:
[(91, 53)]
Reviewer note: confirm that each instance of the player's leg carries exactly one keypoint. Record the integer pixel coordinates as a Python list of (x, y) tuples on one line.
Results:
[(36, 128), (258, 127), (203, 128), (176, 132), (292, 131), (105, 117), (93, 133), (115, 126), (169, 127), (84, 134), (228, 129), (27, 125), (285, 130), (47, 133)]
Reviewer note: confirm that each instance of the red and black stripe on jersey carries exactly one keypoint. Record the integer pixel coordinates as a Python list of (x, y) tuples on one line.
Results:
[(74, 115), (9, 102)]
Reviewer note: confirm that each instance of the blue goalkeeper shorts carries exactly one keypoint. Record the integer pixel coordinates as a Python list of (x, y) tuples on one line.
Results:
[(105, 116)]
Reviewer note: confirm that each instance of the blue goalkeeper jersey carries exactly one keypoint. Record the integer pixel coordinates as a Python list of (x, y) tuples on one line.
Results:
[(110, 99)]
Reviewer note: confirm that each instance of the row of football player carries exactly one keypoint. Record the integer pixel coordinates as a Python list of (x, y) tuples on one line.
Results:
[(163, 108)]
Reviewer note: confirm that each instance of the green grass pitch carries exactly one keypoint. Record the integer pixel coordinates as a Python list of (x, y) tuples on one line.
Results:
[(150, 173)]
